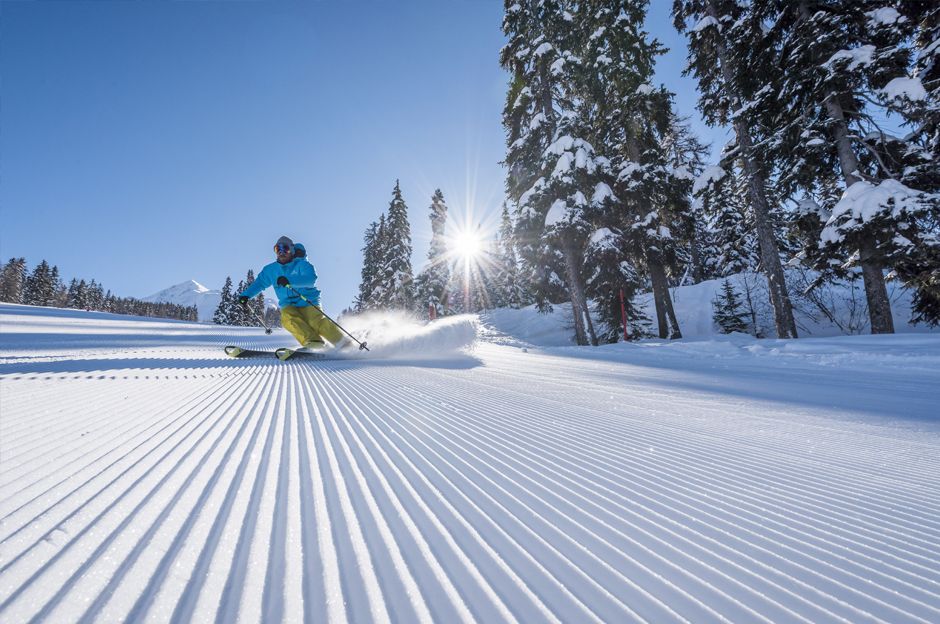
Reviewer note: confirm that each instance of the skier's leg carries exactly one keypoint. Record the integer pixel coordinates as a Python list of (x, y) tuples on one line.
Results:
[(324, 326), (293, 319)]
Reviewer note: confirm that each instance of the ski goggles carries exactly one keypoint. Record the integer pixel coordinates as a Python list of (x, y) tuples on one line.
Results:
[(283, 248)]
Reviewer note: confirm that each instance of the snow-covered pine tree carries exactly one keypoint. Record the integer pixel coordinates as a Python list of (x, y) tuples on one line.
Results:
[(31, 283), (260, 305), (733, 244), (381, 293), (222, 312), (272, 317), (528, 134), (724, 46), (568, 220), (685, 157), (509, 290), (836, 61), (95, 295), (918, 100), (11, 280), (256, 306), (55, 296), (398, 275), (728, 311), (370, 267), (634, 119), (553, 170), (81, 297), (431, 283), (239, 315), (916, 96), (608, 273), (42, 285), (77, 296)]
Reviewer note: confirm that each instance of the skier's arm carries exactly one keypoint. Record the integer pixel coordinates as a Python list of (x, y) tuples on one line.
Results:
[(305, 276), (261, 282)]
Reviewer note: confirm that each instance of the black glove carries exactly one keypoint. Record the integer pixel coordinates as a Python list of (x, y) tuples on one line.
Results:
[(282, 281), (242, 299)]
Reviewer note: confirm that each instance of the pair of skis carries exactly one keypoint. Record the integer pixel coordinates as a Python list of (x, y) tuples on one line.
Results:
[(282, 354)]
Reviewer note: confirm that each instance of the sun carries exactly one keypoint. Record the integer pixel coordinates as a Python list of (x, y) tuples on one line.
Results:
[(467, 245)]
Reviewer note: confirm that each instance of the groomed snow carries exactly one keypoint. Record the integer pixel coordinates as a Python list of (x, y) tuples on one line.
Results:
[(144, 476)]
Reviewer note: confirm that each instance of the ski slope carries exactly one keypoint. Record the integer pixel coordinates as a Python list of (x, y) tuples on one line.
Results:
[(144, 476)]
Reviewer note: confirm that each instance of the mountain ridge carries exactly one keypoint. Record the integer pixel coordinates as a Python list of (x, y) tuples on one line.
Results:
[(189, 293)]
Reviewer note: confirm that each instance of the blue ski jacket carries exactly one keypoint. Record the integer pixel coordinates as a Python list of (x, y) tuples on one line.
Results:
[(299, 273)]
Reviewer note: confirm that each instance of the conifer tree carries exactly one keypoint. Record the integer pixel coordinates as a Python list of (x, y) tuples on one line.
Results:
[(223, 311), (919, 103), (833, 61), (95, 295), (370, 268), (733, 244), (431, 283), (509, 288), (247, 316), (380, 289), (75, 295), (12, 278), (609, 273), (55, 295), (398, 276), (636, 119), (685, 156), (238, 314), (553, 168), (723, 57), (728, 311), (41, 285), (272, 317), (78, 295)]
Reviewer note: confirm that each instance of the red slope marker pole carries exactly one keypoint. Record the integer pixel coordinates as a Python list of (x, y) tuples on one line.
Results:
[(623, 315)]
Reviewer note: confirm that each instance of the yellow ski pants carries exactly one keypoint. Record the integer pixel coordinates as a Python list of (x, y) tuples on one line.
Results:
[(309, 325)]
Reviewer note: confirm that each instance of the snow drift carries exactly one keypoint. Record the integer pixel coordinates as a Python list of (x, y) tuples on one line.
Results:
[(833, 309)]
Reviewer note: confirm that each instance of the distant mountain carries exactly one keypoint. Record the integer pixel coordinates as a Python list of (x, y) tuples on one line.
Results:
[(190, 293)]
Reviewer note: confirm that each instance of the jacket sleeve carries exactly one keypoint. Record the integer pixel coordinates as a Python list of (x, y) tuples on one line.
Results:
[(304, 276), (261, 282)]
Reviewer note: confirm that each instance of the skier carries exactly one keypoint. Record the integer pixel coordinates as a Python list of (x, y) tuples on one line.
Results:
[(293, 279)]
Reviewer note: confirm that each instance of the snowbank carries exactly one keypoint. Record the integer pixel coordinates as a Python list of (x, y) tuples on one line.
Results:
[(830, 310)]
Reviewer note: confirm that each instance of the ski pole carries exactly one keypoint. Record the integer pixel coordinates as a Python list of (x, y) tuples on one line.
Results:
[(267, 329), (362, 345)]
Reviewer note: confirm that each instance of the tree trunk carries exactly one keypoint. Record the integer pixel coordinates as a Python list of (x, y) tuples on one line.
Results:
[(879, 306), (592, 335), (574, 290), (770, 252), (876, 293), (665, 314), (698, 264)]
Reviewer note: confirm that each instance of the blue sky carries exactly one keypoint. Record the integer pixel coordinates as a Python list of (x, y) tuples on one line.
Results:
[(146, 143)]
